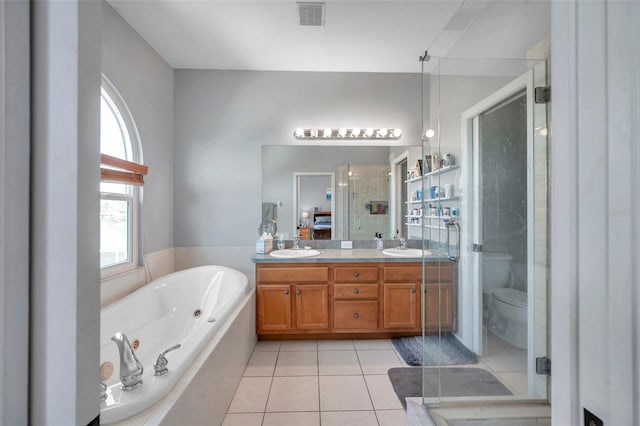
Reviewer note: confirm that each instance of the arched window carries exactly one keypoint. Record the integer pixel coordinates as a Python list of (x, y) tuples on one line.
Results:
[(119, 202)]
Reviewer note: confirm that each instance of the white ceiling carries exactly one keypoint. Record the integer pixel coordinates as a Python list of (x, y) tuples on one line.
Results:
[(358, 36)]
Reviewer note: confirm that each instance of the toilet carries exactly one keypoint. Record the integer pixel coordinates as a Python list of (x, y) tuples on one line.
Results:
[(505, 308)]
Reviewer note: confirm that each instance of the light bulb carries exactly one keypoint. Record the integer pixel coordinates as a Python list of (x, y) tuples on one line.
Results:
[(327, 133), (342, 133), (368, 133), (397, 133), (355, 132), (382, 133), (429, 133), (299, 132)]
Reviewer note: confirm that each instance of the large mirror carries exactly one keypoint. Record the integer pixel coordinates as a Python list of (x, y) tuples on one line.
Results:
[(337, 192)]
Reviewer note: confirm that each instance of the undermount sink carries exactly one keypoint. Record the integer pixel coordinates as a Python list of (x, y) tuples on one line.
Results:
[(409, 252), (294, 253)]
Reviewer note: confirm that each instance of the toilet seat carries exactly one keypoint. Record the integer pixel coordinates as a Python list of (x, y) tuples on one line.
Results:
[(511, 296)]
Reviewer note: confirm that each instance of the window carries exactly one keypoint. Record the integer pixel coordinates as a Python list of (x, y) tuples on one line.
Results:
[(118, 201)]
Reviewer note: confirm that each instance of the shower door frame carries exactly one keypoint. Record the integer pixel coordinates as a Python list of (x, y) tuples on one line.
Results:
[(472, 230)]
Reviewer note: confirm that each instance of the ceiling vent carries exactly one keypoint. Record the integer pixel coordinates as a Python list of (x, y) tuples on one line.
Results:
[(311, 13)]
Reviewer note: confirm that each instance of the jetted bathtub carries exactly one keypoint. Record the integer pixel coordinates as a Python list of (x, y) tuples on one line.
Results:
[(185, 307)]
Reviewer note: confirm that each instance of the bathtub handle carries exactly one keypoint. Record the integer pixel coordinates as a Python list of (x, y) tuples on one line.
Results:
[(160, 367)]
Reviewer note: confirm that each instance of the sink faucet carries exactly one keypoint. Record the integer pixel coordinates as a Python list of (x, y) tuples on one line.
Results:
[(130, 367), (296, 243), (403, 244)]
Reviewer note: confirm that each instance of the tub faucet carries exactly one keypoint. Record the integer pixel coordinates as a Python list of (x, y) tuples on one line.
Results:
[(160, 367), (130, 367)]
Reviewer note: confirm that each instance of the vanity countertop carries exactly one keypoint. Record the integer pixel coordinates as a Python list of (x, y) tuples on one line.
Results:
[(349, 256)]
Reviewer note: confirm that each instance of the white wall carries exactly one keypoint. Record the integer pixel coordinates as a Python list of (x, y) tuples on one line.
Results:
[(14, 212), (65, 298), (145, 82), (595, 236)]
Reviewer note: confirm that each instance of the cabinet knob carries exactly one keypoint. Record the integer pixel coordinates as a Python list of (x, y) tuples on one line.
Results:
[(286, 292), (356, 291), (299, 292), (356, 274), (356, 315), (413, 290)]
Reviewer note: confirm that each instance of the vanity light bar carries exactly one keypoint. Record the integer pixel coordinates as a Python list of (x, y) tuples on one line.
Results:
[(343, 133)]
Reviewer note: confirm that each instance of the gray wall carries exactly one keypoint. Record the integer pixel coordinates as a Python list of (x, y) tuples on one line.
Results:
[(14, 212), (64, 291), (222, 119), (279, 163), (145, 82)]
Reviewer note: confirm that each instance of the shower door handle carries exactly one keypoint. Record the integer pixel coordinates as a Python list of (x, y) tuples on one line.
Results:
[(453, 224)]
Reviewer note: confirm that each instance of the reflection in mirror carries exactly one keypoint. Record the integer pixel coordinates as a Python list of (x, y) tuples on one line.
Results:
[(359, 205)]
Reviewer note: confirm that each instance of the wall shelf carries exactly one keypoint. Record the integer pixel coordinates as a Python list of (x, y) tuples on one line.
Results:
[(427, 200), (440, 171), (433, 173)]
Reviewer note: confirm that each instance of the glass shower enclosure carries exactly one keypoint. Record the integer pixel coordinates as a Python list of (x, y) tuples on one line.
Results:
[(484, 143)]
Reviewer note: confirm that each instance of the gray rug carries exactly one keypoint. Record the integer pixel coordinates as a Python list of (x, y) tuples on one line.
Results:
[(462, 381), (438, 350)]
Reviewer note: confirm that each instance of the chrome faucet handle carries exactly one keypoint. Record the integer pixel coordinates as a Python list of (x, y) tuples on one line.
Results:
[(160, 367), (103, 392), (403, 243), (296, 242)]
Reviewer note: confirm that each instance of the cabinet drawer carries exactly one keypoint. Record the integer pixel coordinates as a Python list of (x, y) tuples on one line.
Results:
[(352, 274), (355, 291), (355, 315), (297, 274), (403, 273)]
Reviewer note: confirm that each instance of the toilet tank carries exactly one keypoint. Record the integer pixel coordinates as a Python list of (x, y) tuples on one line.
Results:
[(495, 270)]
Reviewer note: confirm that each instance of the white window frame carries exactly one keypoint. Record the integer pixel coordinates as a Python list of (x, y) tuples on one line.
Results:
[(133, 196)]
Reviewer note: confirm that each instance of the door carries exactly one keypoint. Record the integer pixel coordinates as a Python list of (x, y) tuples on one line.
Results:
[(274, 307), (312, 306), (400, 305), (506, 166)]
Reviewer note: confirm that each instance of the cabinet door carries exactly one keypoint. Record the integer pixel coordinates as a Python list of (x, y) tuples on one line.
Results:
[(274, 307), (438, 307), (312, 306), (401, 305)]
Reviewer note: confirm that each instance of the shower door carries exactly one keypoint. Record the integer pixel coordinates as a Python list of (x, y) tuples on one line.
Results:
[(507, 164)]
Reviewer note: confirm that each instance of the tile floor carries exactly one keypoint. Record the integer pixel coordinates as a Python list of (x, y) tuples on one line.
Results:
[(506, 362), (329, 382), (340, 382)]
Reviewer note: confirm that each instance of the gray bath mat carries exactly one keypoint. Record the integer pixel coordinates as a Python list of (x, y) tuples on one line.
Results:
[(438, 350), (462, 381)]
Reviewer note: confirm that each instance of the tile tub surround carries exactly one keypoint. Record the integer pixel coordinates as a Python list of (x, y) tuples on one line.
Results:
[(334, 382), (203, 394)]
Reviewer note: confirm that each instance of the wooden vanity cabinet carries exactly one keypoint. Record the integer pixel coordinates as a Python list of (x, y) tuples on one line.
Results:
[(274, 307), (401, 297), (351, 298), (355, 298), (292, 299), (312, 306), (439, 301)]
